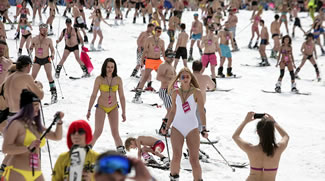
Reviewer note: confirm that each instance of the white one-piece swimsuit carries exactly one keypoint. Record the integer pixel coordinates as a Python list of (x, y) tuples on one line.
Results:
[(185, 122)]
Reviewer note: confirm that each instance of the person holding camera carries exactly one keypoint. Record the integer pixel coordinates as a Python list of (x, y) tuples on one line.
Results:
[(23, 139), (79, 133), (264, 158), (112, 165), (185, 101)]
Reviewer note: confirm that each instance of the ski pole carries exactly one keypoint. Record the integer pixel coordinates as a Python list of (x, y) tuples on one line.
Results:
[(58, 81), (167, 147), (244, 28), (233, 169), (60, 59)]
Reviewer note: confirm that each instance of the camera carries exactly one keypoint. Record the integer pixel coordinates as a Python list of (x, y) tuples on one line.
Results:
[(259, 115)]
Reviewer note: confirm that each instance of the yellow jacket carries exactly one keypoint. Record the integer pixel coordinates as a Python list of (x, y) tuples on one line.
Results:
[(62, 165)]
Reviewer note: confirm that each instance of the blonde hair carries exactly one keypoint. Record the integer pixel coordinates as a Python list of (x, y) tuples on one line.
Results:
[(127, 143), (194, 82)]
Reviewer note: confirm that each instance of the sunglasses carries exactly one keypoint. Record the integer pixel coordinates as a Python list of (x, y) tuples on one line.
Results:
[(158, 31), (43, 26), (80, 131), (185, 77), (114, 163)]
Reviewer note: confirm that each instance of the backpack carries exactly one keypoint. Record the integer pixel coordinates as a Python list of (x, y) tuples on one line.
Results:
[(76, 34)]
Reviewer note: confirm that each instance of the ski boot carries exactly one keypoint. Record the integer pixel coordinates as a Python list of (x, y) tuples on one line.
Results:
[(256, 45), (19, 52), (122, 23), (92, 47), (319, 78), (107, 15), (86, 39), (121, 149), (250, 44), (149, 88), (91, 28), (294, 88), (137, 98), (85, 71), (293, 34), (220, 74), (54, 95), (99, 47), (144, 20), (50, 32), (174, 177), (165, 161), (57, 71), (17, 35), (134, 20), (278, 87), (134, 73), (229, 72)]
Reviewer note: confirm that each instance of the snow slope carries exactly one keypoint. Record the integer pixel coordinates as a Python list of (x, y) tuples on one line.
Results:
[(301, 116)]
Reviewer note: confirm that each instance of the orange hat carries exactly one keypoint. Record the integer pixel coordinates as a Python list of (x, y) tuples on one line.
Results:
[(75, 125)]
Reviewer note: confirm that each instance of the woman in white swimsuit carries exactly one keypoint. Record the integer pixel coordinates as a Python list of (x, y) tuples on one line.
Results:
[(185, 101)]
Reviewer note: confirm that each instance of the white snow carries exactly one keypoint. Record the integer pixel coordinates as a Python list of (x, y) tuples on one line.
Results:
[(301, 116)]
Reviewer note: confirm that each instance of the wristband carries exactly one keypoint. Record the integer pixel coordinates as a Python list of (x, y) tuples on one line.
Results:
[(203, 132)]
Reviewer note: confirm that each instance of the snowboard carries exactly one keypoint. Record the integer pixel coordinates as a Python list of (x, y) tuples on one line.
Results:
[(298, 93), (220, 90), (77, 159)]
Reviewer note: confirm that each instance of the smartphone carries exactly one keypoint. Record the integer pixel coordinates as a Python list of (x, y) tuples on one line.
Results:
[(259, 115)]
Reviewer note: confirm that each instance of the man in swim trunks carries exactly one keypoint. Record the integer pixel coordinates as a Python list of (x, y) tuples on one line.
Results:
[(166, 72), (173, 23), (153, 48), (181, 50), (275, 31), (233, 20), (225, 36), (72, 37), (42, 45), (196, 35), (5, 63), (140, 42), (210, 45), (264, 41), (146, 145)]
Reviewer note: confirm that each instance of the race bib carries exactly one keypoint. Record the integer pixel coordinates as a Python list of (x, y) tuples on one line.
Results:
[(209, 42), (157, 49), (186, 107), (33, 160), (286, 58), (228, 37), (40, 51), (109, 100), (1, 69), (22, 31)]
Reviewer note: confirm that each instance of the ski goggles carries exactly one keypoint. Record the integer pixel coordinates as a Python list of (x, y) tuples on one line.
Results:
[(43, 25), (80, 131), (114, 163)]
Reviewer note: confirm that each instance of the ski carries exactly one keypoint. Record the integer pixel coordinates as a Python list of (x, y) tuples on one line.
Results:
[(206, 159), (220, 90), (153, 105), (134, 90), (74, 78), (101, 50), (229, 77), (157, 165), (257, 65), (209, 143), (298, 93), (77, 159)]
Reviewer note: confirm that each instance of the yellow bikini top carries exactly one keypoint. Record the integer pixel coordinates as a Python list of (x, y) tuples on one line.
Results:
[(107, 88), (30, 137)]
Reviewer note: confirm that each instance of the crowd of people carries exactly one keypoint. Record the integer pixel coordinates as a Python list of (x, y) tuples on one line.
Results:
[(183, 93)]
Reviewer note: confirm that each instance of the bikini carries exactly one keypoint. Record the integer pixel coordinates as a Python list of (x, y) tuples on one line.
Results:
[(264, 169), (185, 118), (108, 88), (28, 175)]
